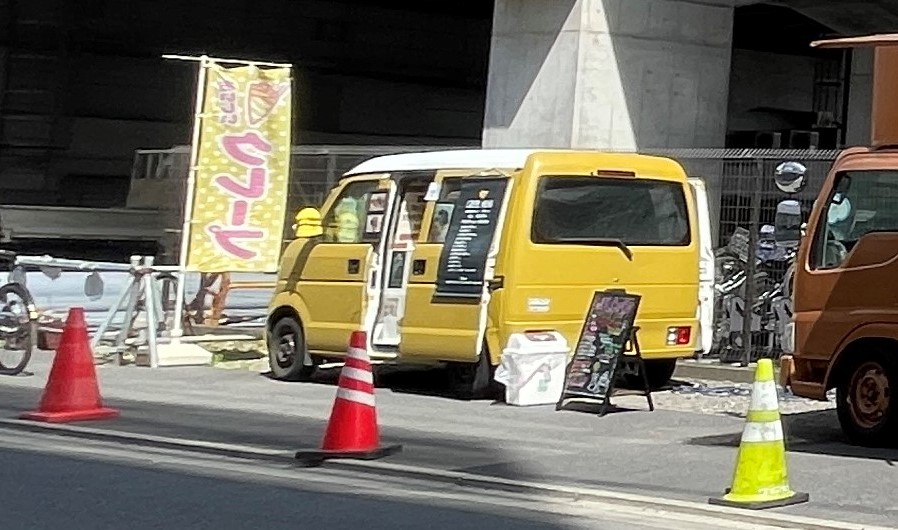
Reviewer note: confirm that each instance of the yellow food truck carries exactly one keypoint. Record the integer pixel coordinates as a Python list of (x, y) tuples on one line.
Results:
[(441, 256)]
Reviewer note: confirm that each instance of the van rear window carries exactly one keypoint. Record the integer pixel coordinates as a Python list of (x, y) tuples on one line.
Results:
[(577, 210)]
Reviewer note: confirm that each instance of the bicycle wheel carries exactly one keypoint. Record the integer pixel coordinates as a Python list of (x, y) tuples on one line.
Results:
[(18, 331)]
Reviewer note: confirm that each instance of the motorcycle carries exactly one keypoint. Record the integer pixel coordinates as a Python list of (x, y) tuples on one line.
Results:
[(771, 307)]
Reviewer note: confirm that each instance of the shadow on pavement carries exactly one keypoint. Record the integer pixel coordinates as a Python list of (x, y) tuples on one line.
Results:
[(444, 450), (217, 499), (436, 382), (815, 432)]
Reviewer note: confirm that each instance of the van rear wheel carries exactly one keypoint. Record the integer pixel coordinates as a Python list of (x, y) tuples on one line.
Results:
[(473, 380), (864, 401), (659, 372), (287, 351)]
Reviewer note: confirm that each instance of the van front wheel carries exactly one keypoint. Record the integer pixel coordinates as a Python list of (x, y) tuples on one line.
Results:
[(287, 351)]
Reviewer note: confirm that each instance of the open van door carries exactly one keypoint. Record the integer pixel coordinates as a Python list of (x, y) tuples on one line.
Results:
[(452, 268), (337, 275), (706, 266)]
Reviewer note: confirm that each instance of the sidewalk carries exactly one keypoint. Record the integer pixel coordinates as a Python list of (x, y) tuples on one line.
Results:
[(667, 453)]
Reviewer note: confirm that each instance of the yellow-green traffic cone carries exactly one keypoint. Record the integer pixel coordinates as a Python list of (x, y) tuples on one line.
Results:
[(761, 479)]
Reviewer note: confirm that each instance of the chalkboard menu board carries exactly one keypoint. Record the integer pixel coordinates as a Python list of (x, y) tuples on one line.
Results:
[(469, 236), (607, 329)]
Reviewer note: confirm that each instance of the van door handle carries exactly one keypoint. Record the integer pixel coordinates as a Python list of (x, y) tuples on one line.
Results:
[(353, 266), (419, 266)]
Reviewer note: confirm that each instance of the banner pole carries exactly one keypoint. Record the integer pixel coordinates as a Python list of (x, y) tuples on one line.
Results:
[(178, 325)]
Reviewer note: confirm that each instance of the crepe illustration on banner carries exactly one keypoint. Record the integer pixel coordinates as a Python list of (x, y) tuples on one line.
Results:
[(262, 98)]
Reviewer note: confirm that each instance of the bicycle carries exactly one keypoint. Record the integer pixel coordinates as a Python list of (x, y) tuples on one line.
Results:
[(18, 322)]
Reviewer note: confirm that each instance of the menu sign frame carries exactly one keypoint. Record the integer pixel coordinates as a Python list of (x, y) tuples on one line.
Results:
[(607, 342), (475, 218)]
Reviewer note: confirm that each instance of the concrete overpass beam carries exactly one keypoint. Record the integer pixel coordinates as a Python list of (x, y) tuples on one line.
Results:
[(625, 74)]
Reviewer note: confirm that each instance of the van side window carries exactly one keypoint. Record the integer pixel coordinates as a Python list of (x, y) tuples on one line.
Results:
[(577, 210), (442, 210), (861, 202), (347, 221)]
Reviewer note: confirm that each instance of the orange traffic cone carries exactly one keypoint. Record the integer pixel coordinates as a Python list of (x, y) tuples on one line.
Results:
[(72, 393), (352, 431)]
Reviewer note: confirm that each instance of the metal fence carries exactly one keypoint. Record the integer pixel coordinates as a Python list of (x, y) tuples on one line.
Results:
[(743, 199)]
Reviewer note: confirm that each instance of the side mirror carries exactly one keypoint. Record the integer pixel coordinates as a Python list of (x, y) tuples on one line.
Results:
[(93, 286), (307, 223), (790, 177)]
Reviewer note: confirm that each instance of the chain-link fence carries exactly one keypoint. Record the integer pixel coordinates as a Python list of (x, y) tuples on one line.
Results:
[(747, 211), (753, 288)]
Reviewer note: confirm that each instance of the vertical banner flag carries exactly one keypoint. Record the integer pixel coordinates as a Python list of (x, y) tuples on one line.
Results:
[(243, 170)]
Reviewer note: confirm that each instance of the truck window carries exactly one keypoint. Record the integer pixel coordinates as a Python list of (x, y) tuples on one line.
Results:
[(861, 202), (349, 219), (636, 212)]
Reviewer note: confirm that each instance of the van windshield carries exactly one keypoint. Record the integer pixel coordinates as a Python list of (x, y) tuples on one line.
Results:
[(632, 212)]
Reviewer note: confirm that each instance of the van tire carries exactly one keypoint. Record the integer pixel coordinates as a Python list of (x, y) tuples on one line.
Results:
[(659, 372), (470, 381), (287, 334), (862, 392)]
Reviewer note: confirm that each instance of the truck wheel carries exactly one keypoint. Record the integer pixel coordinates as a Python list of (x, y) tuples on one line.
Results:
[(287, 351), (864, 401), (659, 372)]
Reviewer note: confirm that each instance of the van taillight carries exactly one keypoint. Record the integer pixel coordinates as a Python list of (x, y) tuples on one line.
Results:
[(679, 336)]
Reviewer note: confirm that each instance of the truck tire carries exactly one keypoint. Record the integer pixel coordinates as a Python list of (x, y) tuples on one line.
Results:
[(287, 351), (863, 401)]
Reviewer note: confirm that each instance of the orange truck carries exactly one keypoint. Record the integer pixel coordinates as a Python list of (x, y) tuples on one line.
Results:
[(844, 329)]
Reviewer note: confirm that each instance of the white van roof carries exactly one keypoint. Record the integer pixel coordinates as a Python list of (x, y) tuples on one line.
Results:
[(450, 159)]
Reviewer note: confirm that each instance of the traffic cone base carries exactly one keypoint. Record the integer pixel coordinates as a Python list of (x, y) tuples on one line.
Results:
[(352, 431), (72, 392), (316, 458), (102, 413), (761, 480)]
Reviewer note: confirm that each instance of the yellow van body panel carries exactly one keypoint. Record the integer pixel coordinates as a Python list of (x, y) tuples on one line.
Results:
[(433, 330), (567, 275)]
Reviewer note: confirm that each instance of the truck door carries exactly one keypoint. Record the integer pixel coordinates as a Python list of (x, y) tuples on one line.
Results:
[(338, 272), (706, 266), (447, 298)]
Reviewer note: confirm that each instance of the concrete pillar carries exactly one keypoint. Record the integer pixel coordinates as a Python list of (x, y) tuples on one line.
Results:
[(860, 98), (622, 74)]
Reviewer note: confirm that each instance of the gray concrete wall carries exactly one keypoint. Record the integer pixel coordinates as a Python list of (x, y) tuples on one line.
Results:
[(608, 73), (760, 80)]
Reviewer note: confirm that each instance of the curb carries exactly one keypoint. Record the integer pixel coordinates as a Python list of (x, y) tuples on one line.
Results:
[(773, 519), (714, 371)]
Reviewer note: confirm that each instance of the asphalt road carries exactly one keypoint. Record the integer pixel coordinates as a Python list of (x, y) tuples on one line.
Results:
[(665, 453), (53, 483)]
